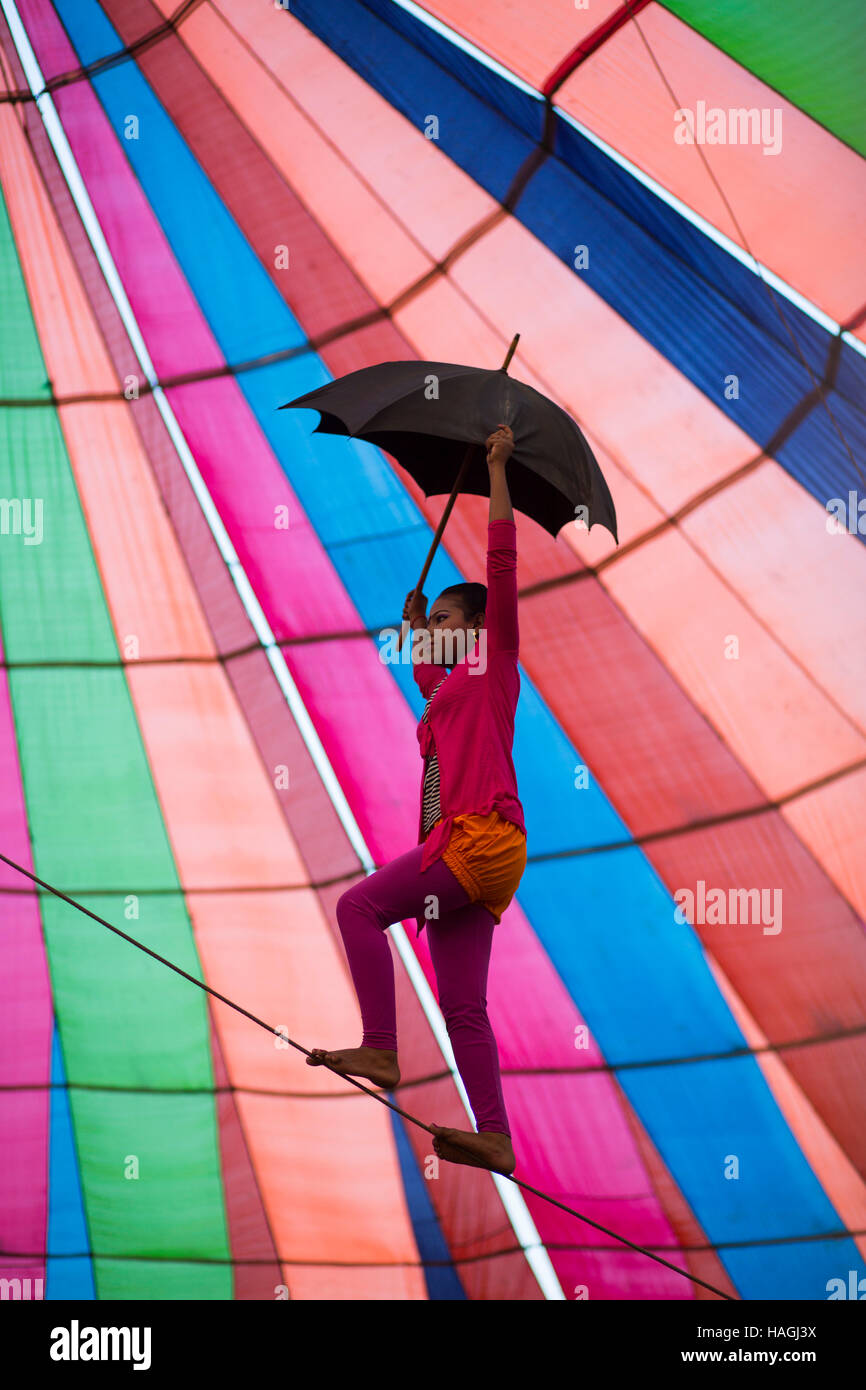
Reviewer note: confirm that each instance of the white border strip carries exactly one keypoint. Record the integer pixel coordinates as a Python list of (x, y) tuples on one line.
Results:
[(511, 1196)]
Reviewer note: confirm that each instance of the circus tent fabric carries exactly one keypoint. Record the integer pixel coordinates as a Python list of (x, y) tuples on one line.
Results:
[(214, 207)]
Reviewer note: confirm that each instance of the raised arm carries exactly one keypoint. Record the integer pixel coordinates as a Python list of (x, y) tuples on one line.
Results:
[(501, 618), (499, 447)]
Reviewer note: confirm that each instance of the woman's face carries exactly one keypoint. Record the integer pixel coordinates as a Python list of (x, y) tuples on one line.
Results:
[(447, 616)]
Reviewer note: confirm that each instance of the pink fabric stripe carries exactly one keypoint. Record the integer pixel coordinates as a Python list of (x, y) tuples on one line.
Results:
[(26, 1020), (550, 1115)]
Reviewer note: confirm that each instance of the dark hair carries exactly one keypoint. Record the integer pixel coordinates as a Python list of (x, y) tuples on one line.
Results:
[(471, 597)]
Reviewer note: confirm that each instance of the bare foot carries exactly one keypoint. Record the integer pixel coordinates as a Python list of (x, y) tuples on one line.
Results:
[(486, 1150), (374, 1063)]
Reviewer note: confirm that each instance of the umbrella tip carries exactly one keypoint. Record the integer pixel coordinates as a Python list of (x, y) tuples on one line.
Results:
[(511, 351)]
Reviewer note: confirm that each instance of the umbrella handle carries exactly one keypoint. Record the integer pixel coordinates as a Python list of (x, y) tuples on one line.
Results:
[(510, 353), (467, 459)]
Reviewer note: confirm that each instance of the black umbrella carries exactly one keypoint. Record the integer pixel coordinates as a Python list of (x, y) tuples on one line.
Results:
[(425, 414)]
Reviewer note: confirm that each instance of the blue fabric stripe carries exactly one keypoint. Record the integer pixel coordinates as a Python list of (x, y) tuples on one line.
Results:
[(69, 1273), (832, 472), (442, 1279), (607, 923)]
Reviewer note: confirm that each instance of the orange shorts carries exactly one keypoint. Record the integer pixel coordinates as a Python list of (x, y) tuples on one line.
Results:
[(487, 854)]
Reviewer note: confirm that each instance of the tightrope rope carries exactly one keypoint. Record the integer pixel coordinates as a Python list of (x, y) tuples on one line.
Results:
[(413, 1119)]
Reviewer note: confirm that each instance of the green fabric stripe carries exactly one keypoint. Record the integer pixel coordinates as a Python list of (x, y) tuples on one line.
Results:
[(170, 1280), (124, 1020), (815, 55)]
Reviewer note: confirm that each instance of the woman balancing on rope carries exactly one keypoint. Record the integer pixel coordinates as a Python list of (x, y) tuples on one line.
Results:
[(471, 852)]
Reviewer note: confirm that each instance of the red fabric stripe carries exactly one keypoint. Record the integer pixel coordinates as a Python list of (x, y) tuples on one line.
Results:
[(704, 1264), (590, 44), (249, 1233)]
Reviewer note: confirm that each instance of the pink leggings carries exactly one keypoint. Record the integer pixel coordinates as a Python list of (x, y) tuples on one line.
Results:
[(460, 942)]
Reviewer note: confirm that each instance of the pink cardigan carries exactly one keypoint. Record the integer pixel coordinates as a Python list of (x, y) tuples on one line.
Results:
[(471, 718)]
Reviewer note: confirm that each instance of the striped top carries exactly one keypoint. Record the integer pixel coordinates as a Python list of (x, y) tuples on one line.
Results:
[(431, 811)]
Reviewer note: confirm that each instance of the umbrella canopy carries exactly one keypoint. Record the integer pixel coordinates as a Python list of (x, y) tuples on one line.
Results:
[(426, 413)]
